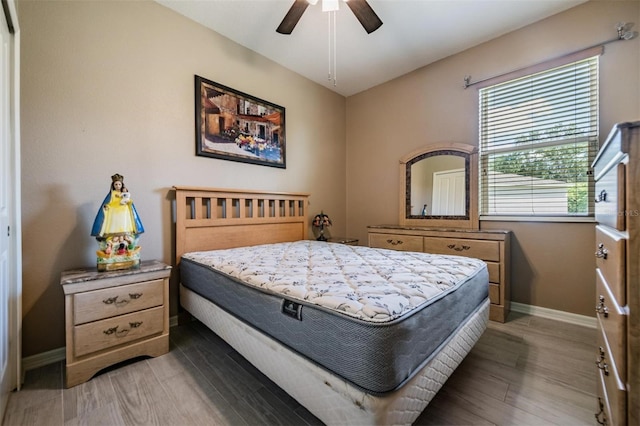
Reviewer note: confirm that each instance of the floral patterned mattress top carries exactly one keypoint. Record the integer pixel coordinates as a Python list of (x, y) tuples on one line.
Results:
[(375, 285)]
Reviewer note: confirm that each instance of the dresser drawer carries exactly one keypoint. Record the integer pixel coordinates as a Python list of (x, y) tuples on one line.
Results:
[(603, 415), (494, 272), (98, 335), (494, 293), (613, 323), (396, 242), (610, 151), (610, 259), (109, 302), (613, 390), (481, 249), (610, 198)]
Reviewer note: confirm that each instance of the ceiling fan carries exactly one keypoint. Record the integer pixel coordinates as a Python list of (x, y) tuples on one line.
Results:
[(360, 8)]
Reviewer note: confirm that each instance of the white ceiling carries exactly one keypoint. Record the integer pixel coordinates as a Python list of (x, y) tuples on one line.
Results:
[(414, 33)]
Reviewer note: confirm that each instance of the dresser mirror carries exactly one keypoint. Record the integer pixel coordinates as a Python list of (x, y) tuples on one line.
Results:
[(439, 187)]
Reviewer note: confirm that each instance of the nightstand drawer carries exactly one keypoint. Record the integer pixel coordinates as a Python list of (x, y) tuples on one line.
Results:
[(109, 302), (481, 249), (95, 336), (396, 242)]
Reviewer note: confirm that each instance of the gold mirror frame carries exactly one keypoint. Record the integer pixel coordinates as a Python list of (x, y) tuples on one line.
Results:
[(467, 221)]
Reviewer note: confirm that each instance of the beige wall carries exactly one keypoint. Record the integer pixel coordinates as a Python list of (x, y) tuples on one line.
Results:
[(553, 263), (109, 87)]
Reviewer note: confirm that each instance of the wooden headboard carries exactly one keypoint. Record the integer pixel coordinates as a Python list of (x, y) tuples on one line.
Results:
[(213, 218)]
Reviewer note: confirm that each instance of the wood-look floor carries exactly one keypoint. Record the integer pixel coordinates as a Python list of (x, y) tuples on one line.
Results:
[(528, 371)]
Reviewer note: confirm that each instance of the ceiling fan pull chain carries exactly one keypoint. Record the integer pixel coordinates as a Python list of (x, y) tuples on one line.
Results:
[(329, 45), (335, 44)]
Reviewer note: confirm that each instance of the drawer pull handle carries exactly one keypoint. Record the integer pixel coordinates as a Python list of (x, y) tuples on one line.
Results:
[(602, 365), (601, 307), (114, 301), (460, 248), (394, 242), (602, 252), (110, 331), (602, 196), (123, 332), (601, 412)]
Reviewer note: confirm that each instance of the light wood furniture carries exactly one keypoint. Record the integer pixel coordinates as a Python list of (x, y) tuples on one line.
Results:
[(617, 252), (209, 218), (491, 246), (212, 218), (412, 185), (114, 316)]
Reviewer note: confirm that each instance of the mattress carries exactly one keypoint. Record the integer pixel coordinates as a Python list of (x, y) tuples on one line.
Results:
[(373, 317)]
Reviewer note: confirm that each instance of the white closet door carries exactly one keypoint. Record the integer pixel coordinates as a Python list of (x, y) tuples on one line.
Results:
[(448, 193), (10, 260)]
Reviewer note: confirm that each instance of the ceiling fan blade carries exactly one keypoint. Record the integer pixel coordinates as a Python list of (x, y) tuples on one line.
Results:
[(292, 17), (365, 15)]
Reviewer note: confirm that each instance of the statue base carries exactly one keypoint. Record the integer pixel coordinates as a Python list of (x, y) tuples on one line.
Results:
[(118, 252), (117, 266)]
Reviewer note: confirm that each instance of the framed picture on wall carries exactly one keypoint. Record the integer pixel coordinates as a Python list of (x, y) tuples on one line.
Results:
[(232, 125)]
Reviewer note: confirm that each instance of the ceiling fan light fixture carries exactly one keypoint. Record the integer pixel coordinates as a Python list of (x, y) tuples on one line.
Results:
[(312, 2), (330, 5)]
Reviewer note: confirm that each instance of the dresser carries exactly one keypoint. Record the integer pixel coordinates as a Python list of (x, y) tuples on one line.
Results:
[(617, 258), (114, 316), (491, 246)]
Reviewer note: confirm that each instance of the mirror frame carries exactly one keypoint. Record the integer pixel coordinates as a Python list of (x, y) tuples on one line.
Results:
[(470, 219)]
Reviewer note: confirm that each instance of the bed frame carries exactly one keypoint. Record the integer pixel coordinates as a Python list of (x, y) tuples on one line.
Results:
[(209, 219)]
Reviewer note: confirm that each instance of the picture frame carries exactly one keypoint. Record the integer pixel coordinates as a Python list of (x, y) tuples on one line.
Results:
[(232, 125)]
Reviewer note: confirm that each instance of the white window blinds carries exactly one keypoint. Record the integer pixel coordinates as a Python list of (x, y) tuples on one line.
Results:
[(538, 137)]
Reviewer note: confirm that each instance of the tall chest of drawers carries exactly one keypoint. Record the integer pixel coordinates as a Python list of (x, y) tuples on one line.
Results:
[(617, 210), (491, 246), (114, 316)]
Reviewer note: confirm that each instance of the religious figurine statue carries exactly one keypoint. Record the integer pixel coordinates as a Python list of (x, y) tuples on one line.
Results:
[(321, 224), (117, 228)]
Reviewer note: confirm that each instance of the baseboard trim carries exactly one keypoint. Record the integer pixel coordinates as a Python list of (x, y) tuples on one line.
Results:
[(43, 358), (59, 354), (568, 317)]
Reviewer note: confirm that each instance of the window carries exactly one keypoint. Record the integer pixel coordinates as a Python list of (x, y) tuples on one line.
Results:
[(538, 137)]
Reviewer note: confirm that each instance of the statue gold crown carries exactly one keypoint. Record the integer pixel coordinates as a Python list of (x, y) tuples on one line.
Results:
[(117, 177)]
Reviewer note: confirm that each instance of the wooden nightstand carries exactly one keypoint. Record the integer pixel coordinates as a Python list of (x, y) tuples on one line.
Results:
[(344, 240), (114, 316)]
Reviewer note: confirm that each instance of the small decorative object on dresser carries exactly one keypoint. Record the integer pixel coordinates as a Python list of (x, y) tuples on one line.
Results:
[(321, 224), (114, 316), (617, 209), (117, 227)]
